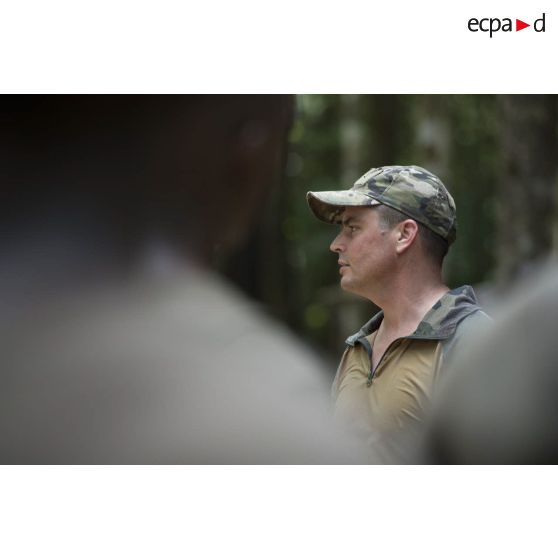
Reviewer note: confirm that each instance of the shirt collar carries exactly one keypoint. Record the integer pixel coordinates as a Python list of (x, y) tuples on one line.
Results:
[(440, 322)]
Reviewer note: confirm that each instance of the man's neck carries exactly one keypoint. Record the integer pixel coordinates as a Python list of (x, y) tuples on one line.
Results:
[(406, 305)]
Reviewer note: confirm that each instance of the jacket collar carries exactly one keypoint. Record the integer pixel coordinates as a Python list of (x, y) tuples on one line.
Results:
[(440, 322)]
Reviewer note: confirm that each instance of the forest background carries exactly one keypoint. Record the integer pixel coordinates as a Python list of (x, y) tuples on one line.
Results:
[(497, 155)]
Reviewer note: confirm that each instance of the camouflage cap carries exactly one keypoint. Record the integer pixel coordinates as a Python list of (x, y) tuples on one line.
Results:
[(412, 190)]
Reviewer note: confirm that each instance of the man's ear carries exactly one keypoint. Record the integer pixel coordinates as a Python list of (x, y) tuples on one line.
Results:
[(406, 232)]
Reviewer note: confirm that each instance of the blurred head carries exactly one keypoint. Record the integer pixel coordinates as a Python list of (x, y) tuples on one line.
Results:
[(195, 169)]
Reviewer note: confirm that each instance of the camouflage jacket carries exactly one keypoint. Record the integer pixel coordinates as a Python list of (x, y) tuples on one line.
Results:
[(456, 315), (388, 419)]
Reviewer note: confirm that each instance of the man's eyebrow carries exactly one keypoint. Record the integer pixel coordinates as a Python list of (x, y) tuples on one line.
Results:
[(349, 221)]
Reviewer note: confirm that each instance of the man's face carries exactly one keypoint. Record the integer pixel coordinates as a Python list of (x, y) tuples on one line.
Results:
[(366, 251)]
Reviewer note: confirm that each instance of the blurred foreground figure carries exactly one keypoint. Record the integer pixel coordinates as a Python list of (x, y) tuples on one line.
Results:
[(119, 345), (397, 223), (500, 404)]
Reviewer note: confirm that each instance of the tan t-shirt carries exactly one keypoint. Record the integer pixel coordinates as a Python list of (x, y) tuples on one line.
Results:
[(400, 390)]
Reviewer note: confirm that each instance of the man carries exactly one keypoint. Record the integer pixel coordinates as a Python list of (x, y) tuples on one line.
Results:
[(120, 344), (397, 223)]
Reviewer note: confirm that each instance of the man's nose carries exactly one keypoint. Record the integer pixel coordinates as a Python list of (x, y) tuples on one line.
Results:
[(336, 245)]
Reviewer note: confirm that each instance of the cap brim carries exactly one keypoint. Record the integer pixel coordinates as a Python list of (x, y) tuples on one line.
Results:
[(328, 206)]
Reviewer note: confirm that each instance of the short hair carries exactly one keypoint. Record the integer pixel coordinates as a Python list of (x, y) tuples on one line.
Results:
[(435, 247)]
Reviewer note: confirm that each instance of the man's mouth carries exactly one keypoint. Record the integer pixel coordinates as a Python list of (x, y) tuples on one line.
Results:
[(342, 266)]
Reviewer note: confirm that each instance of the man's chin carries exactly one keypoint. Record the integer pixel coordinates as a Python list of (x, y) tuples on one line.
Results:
[(350, 287), (345, 284)]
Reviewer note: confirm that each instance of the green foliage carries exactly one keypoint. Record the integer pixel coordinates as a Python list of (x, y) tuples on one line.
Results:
[(474, 165)]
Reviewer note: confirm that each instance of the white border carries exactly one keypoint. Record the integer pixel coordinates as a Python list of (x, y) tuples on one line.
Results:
[(296, 46), (277, 511)]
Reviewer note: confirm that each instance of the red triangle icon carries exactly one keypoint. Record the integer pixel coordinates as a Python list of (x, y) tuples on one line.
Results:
[(519, 25)]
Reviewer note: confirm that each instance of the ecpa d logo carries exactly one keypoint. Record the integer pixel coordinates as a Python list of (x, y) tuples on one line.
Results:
[(492, 25)]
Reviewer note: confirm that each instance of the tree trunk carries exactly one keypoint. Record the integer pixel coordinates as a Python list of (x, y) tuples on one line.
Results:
[(526, 202)]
